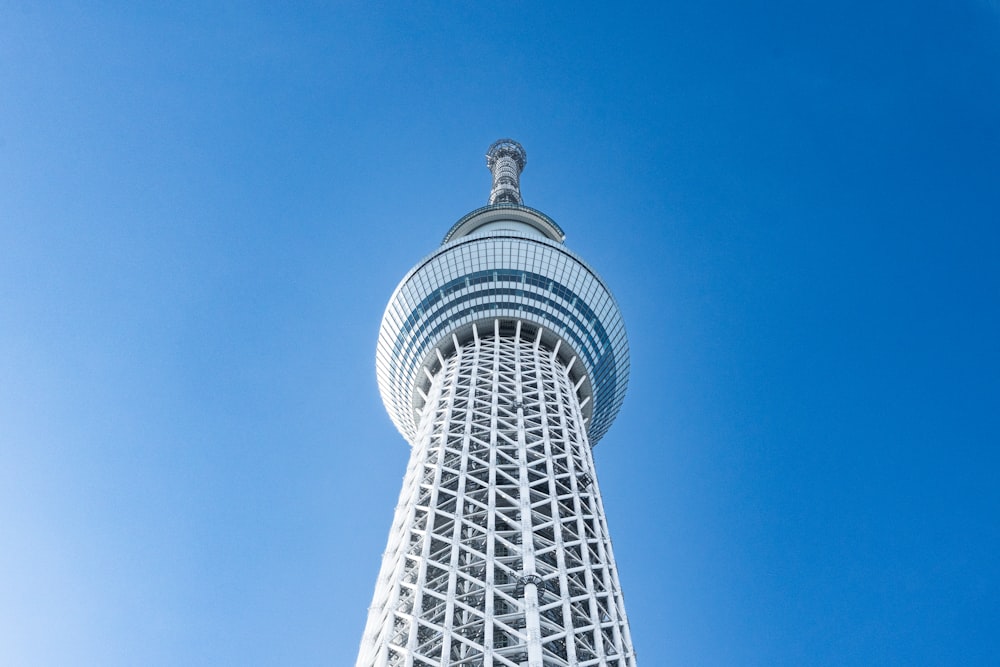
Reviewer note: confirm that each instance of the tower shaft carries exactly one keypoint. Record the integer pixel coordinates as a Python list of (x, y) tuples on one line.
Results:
[(499, 553)]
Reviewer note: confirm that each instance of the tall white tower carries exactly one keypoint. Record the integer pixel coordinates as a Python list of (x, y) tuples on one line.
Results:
[(502, 359)]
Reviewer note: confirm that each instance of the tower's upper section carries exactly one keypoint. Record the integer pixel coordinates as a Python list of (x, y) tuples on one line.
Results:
[(506, 159), (498, 265)]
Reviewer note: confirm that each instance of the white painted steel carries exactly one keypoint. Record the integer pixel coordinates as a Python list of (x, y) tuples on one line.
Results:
[(499, 554)]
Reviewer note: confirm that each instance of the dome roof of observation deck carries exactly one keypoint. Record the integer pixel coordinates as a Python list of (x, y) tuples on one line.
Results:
[(494, 214)]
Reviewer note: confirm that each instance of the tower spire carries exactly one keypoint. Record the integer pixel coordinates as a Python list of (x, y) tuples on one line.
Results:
[(506, 159)]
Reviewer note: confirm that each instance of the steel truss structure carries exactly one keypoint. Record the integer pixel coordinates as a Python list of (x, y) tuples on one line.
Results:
[(499, 554)]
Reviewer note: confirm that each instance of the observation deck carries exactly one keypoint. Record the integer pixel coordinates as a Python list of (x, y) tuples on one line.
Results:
[(498, 265)]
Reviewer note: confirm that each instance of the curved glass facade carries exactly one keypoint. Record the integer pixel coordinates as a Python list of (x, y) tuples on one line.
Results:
[(502, 274)]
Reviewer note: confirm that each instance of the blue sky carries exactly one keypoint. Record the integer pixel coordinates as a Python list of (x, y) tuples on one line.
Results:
[(203, 211)]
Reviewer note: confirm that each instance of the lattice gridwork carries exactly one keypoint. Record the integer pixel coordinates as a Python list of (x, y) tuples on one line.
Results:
[(499, 554)]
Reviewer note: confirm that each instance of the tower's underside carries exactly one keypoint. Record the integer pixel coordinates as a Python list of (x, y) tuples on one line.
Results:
[(499, 553)]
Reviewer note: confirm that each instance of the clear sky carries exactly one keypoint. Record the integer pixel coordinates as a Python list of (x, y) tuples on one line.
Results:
[(204, 210)]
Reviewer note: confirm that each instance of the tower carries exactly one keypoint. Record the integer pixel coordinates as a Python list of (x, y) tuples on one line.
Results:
[(502, 358)]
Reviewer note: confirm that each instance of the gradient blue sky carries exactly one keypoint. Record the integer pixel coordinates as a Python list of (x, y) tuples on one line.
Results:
[(203, 211)]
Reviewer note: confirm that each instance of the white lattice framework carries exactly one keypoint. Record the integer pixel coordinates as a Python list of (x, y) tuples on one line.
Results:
[(499, 553)]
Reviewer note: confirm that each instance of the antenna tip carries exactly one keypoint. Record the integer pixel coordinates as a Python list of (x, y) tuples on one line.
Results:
[(506, 159), (506, 148)]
